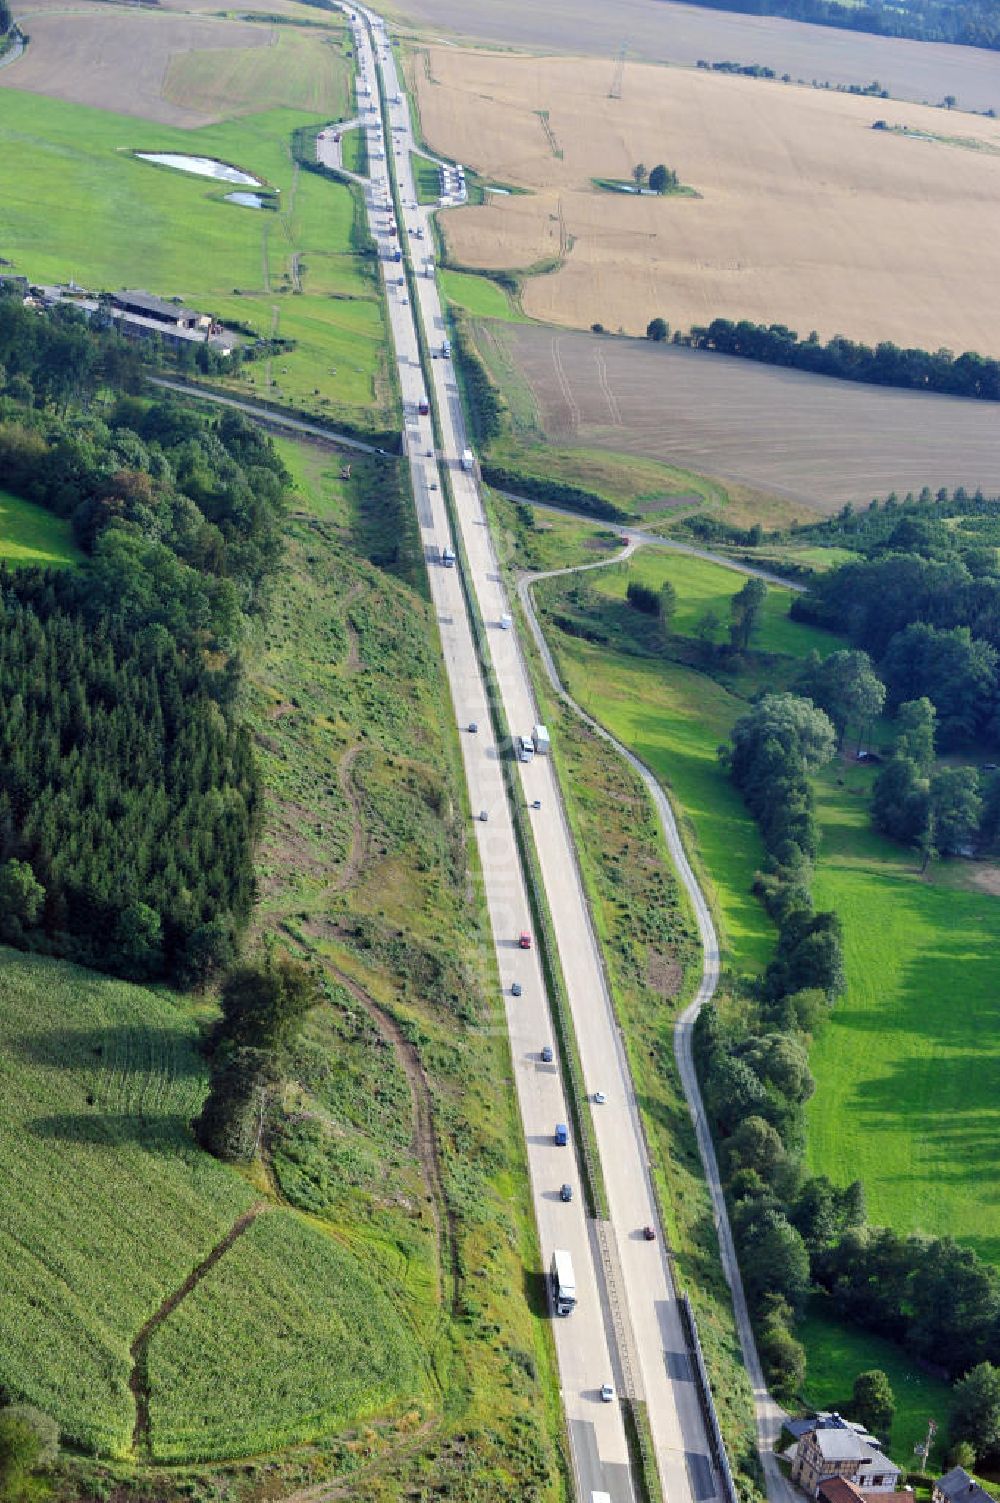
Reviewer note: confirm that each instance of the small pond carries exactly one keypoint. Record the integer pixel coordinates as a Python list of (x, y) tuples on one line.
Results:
[(200, 166), (245, 200)]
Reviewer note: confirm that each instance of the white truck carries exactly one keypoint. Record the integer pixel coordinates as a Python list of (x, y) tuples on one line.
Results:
[(448, 557), (525, 748), (540, 740), (468, 461), (563, 1282)]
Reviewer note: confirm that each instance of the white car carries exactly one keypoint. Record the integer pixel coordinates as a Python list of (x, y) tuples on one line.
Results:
[(607, 1393), (598, 1098)]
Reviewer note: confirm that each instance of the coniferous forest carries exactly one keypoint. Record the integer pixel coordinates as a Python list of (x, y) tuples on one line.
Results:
[(129, 801)]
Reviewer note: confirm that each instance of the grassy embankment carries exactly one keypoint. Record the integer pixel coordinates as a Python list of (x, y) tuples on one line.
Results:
[(31, 535), (477, 295), (901, 1097), (354, 151), (426, 178), (78, 204)]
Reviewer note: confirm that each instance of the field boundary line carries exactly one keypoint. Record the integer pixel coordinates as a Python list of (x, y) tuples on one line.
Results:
[(139, 1351)]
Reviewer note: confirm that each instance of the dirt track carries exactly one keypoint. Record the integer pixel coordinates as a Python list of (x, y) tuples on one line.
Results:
[(816, 440)]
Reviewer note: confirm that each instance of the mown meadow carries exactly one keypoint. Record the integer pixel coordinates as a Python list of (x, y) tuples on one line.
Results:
[(79, 205), (31, 535)]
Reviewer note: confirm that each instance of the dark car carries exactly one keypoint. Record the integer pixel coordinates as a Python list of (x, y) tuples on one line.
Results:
[(649, 1233), (566, 1192), (515, 988), (547, 1055)]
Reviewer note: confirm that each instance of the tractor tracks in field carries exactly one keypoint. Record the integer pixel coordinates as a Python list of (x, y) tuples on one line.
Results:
[(564, 386), (139, 1377)]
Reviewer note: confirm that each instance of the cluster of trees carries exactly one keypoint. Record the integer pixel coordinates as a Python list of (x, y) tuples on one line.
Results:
[(29, 1445), (659, 603), (972, 23), (129, 799), (932, 624), (967, 375), (6, 17), (262, 1010), (659, 179), (746, 70)]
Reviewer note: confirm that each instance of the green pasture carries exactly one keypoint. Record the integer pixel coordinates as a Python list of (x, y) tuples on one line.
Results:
[(837, 1353), (31, 535), (905, 1096), (548, 539), (78, 204), (703, 586), (477, 295), (674, 719)]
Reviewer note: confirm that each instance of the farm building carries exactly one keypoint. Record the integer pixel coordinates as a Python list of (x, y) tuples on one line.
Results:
[(159, 310), (828, 1451), (957, 1486)]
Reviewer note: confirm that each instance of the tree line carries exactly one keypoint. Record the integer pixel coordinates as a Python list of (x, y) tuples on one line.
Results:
[(971, 23), (129, 798), (885, 364), (794, 1232)]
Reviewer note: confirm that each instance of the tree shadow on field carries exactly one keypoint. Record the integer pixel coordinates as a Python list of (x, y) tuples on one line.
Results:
[(151, 1051), (158, 1135)]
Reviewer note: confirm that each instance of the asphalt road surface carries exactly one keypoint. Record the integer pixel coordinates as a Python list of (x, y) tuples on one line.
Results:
[(626, 1328)]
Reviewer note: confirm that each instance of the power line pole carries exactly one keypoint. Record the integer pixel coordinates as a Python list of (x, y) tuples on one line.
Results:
[(924, 1450), (619, 73)]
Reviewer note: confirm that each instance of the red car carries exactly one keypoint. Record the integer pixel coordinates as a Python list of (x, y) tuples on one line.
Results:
[(524, 943)]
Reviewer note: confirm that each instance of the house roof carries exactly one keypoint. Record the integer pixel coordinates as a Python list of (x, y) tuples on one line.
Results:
[(876, 1459), (958, 1486), (839, 1445), (158, 307)]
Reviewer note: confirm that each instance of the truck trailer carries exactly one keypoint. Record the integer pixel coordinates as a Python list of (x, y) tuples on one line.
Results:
[(468, 461), (563, 1282), (540, 740)]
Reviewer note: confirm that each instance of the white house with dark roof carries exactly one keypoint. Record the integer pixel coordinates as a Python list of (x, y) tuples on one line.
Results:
[(839, 1451)]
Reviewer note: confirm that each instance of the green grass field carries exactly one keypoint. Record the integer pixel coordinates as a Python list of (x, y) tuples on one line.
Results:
[(905, 1094), (837, 1353), (702, 586), (426, 178), (477, 295), (79, 204), (354, 151), (31, 535)]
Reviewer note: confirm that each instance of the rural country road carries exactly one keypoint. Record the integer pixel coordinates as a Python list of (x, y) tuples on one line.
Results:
[(627, 1327), (768, 1413)]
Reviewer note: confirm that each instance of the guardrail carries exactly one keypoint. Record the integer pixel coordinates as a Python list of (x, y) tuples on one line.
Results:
[(706, 1401)]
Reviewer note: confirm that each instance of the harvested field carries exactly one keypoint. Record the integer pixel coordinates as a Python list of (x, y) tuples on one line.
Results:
[(816, 440), (118, 60), (807, 216), (663, 32)]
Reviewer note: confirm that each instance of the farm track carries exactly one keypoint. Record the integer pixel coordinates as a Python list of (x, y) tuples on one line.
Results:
[(139, 1377), (769, 1415), (355, 857), (425, 1141)]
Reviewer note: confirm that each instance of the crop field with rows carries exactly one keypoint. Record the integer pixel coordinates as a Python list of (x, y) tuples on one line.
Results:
[(106, 1204), (286, 1339)]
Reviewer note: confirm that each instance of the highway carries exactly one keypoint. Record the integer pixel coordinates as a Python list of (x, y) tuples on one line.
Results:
[(626, 1329)]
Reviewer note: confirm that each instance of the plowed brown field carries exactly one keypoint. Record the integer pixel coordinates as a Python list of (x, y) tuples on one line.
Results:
[(807, 216), (806, 438)]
